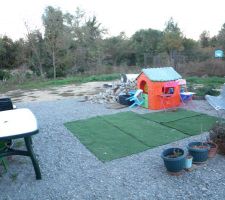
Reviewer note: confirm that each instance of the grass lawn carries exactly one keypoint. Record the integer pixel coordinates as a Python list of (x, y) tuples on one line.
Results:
[(114, 136), (40, 83)]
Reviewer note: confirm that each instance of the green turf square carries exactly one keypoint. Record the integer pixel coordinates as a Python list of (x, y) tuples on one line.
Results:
[(115, 136), (169, 116), (193, 125), (120, 117), (104, 140), (150, 133)]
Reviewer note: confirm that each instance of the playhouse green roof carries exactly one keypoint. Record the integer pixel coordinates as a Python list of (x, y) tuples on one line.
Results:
[(161, 74)]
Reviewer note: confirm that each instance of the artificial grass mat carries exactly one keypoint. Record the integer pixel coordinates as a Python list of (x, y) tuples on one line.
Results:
[(169, 116), (147, 132), (104, 140), (122, 134), (193, 125)]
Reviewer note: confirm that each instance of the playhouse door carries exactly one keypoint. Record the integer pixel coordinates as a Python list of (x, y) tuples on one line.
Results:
[(145, 97)]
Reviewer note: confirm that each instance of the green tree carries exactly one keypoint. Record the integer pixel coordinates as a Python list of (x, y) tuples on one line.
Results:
[(86, 39), (7, 53), (37, 50), (221, 37), (146, 42), (172, 38), (214, 41), (92, 40), (190, 49), (21, 55), (118, 51), (54, 28), (205, 39)]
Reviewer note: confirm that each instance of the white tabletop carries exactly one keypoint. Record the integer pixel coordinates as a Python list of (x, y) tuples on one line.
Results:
[(17, 122), (187, 93)]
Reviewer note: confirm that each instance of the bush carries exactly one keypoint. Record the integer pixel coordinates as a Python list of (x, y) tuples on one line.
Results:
[(4, 75), (207, 90), (217, 132), (210, 67), (217, 135)]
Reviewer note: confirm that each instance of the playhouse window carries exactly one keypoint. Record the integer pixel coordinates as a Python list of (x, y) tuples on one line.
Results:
[(168, 90)]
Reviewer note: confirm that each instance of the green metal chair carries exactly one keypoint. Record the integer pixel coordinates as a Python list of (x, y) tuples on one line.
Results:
[(3, 161)]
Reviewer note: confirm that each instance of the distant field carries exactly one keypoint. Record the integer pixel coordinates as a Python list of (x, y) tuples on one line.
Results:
[(206, 85), (41, 84), (214, 80)]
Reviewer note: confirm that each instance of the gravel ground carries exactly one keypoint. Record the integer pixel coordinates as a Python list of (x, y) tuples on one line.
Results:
[(70, 171)]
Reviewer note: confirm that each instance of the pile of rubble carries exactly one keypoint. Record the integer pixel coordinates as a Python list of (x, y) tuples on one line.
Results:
[(112, 91)]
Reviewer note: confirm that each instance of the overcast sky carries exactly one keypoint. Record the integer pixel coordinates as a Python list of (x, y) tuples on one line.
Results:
[(192, 16)]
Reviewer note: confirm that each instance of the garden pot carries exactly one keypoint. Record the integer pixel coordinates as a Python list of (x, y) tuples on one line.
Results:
[(221, 146), (199, 151), (188, 162), (123, 99), (213, 149), (173, 163)]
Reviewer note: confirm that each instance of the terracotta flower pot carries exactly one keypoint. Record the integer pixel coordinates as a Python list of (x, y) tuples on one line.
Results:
[(221, 146), (213, 149)]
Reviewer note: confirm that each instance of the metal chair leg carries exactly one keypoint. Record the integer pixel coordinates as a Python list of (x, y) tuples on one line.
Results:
[(4, 163), (28, 142)]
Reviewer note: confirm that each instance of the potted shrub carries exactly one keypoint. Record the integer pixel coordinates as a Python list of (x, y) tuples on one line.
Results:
[(174, 159), (217, 135), (199, 151)]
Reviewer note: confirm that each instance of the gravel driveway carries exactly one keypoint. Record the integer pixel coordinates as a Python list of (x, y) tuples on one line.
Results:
[(70, 171)]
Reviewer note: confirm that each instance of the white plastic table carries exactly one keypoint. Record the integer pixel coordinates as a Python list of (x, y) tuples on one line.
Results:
[(188, 93), (15, 124)]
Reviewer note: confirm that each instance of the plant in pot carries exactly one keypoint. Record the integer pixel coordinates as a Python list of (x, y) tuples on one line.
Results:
[(199, 151), (217, 136), (174, 159)]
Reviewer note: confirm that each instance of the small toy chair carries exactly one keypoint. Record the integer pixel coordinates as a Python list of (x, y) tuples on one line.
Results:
[(183, 85), (137, 98), (186, 96)]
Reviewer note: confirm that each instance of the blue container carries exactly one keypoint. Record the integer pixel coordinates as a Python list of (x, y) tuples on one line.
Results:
[(199, 154), (173, 164)]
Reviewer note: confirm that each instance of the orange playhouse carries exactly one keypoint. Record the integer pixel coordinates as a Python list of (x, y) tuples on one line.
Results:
[(160, 87)]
